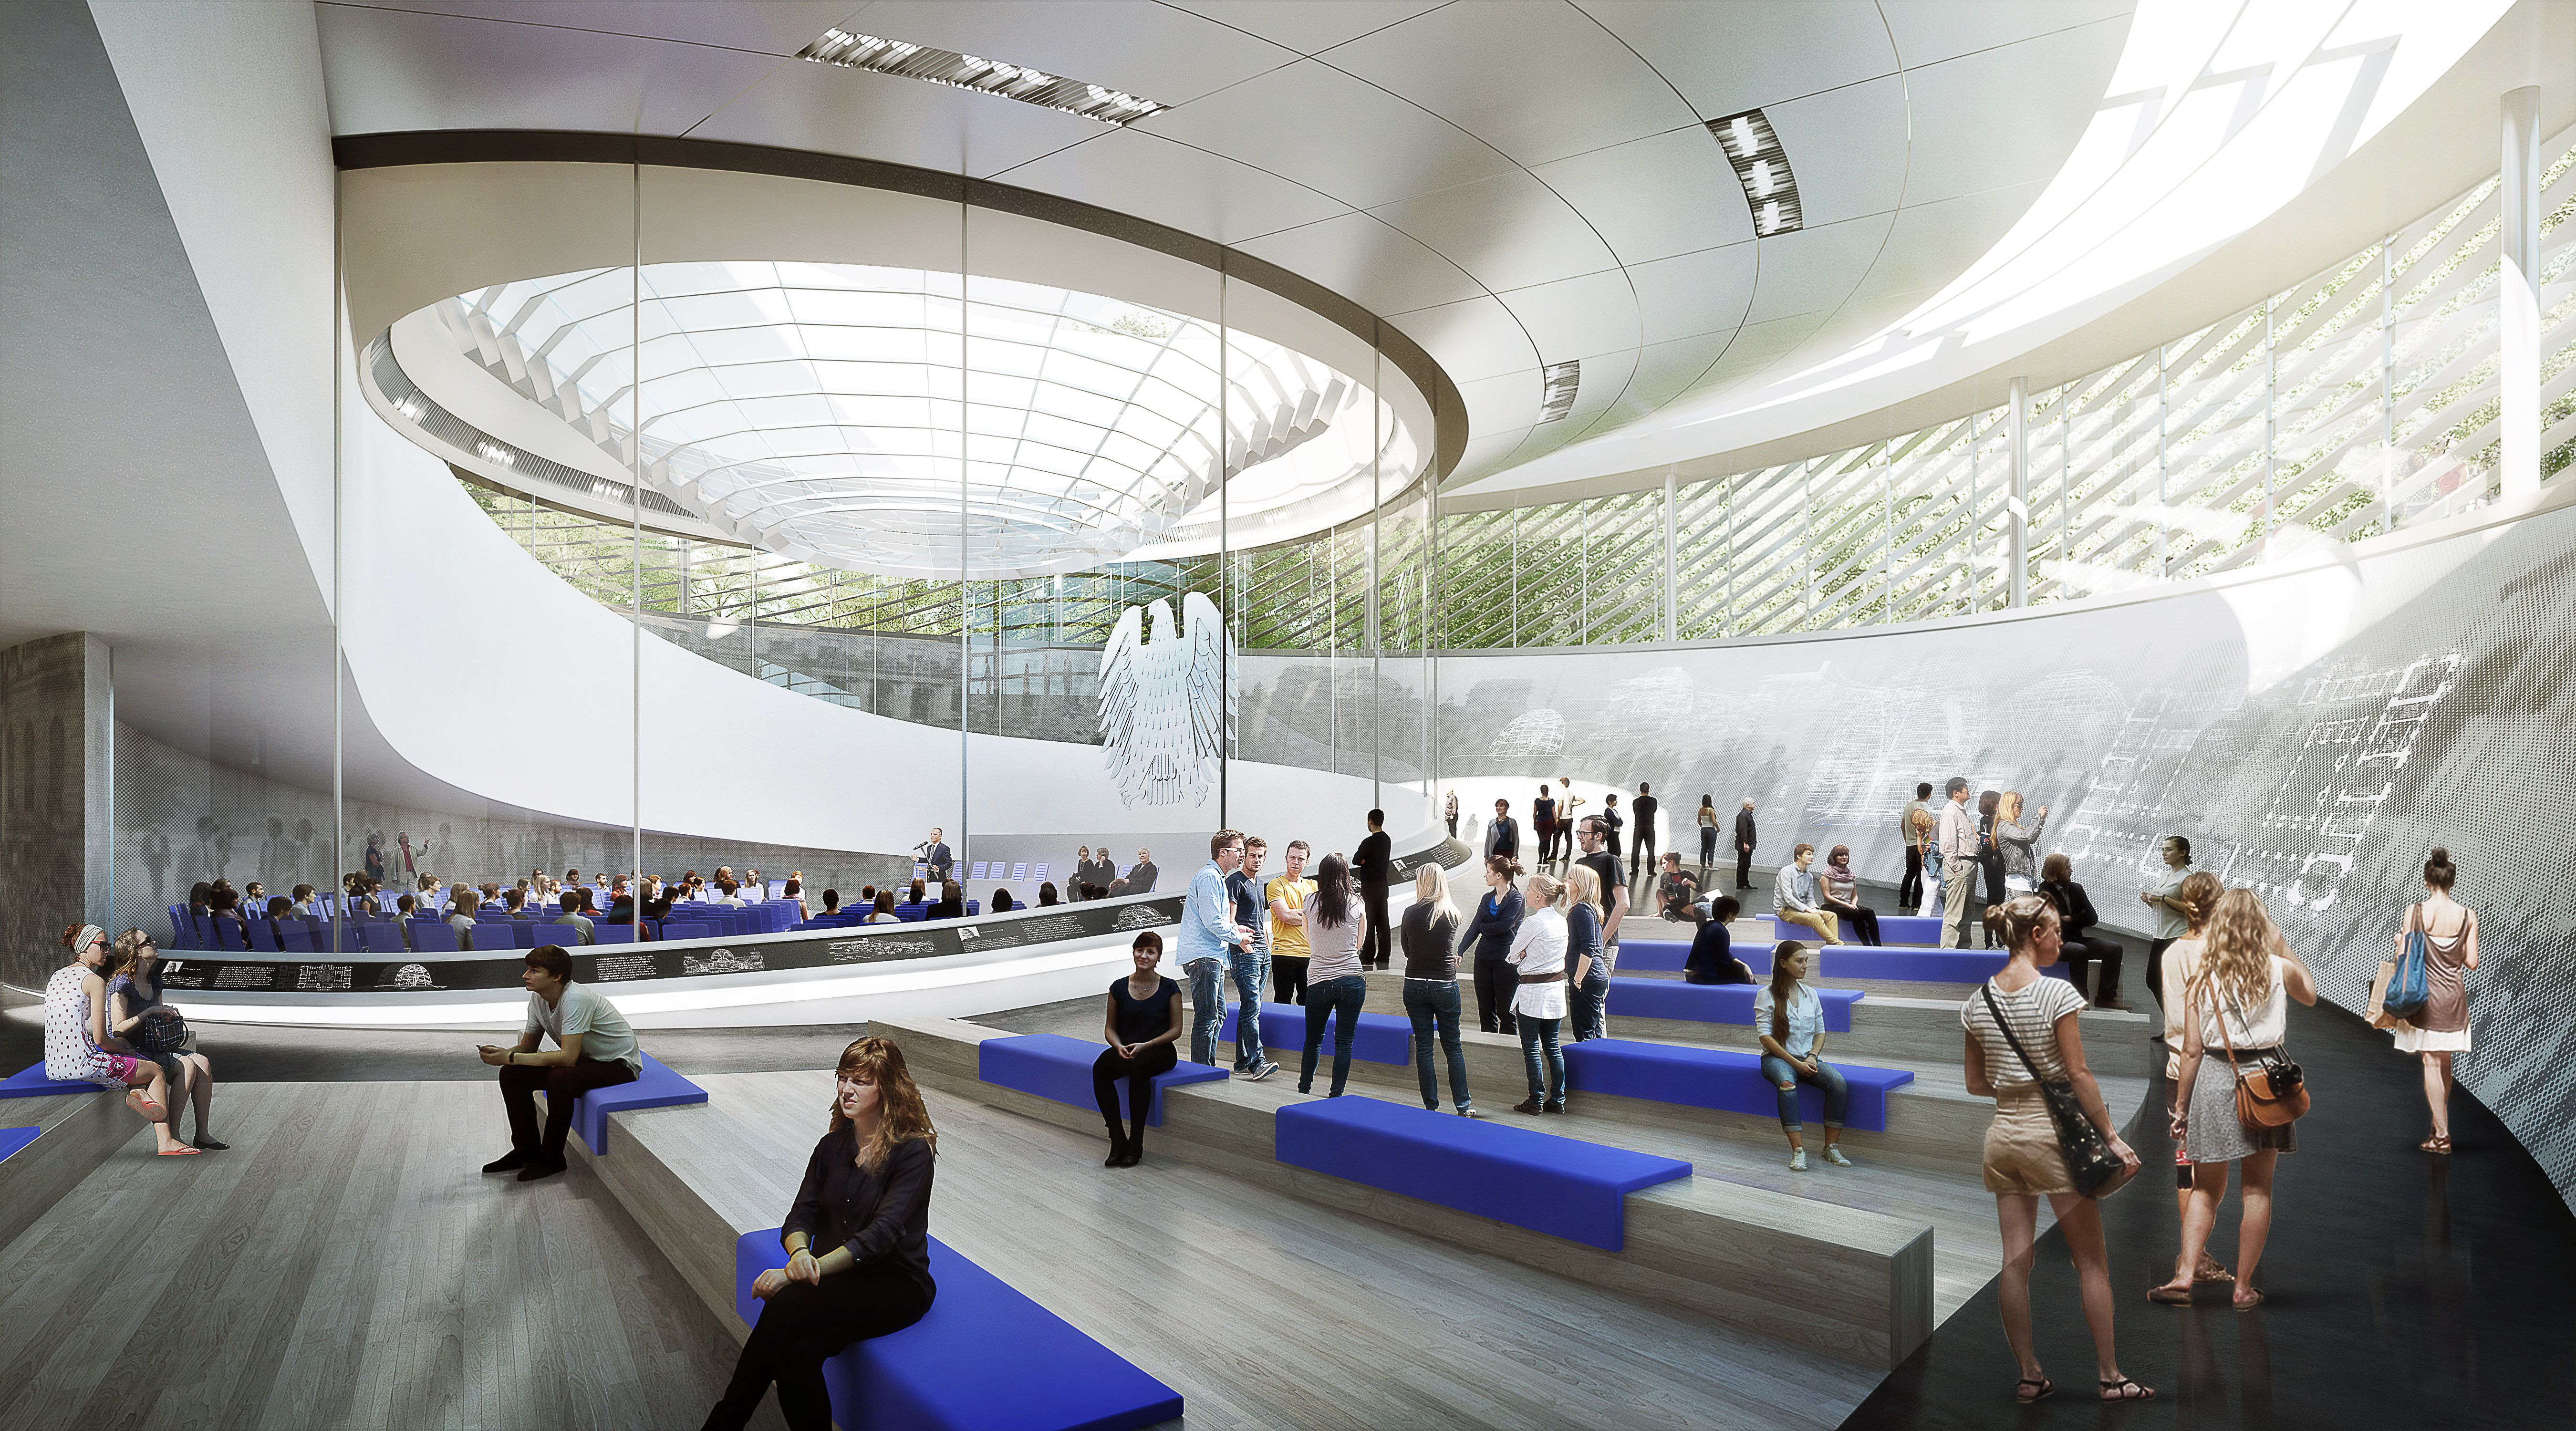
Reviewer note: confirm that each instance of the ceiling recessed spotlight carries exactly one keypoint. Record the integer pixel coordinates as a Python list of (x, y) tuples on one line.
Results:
[(1562, 380), (1753, 149), (1029, 86)]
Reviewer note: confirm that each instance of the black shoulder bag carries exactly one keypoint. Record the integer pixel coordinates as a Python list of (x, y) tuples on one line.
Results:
[(2097, 1171)]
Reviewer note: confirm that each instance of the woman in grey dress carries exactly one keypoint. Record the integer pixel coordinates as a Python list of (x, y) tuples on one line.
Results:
[(2018, 843)]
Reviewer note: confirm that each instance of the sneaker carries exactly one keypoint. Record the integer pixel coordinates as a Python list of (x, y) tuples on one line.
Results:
[(1797, 1160), (1835, 1157), (1530, 1106), (1469, 1113), (1264, 1071), (509, 1162), (1555, 1107)]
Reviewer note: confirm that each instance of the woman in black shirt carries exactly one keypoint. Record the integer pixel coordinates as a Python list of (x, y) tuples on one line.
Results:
[(866, 1203), (952, 902), (2075, 916), (1712, 953), (1429, 938), (1143, 1021)]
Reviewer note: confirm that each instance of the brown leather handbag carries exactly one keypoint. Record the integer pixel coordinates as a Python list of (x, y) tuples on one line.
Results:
[(2273, 1093)]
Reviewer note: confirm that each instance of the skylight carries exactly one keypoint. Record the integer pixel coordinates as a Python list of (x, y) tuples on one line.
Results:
[(948, 67)]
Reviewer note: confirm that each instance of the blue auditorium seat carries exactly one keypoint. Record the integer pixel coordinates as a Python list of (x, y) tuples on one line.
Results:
[(1915, 929), (432, 937), (1383, 1038), (1707, 1003), (674, 929), (1722, 1078), (942, 1374), (1053, 1066), (656, 1087), (263, 935), (523, 933), (380, 937), (612, 933), (183, 935), (1564, 1187), (294, 937)]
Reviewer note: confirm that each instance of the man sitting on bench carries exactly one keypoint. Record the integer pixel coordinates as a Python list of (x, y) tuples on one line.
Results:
[(594, 1048)]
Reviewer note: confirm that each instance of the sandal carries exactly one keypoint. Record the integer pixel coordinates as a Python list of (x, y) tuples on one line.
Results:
[(2169, 1295), (2247, 1304), (2212, 1270), (2435, 1144), (143, 1105), (181, 1151), (2127, 1389), (2047, 1389)]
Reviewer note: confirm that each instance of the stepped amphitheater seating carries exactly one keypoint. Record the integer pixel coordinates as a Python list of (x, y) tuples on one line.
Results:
[(1723, 1078), (1052, 1066), (1383, 1038)]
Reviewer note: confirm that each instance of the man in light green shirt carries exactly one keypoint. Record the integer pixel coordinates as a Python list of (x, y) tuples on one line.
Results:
[(594, 1048)]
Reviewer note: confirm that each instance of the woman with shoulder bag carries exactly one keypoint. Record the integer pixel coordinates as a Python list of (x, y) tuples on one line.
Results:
[(2438, 1027), (2235, 1016), (2025, 1051), (136, 1016)]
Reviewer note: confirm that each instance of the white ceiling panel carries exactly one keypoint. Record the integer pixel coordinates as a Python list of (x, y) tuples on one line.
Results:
[(1757, 348), (1503, 402), (1814, 270), (1848, 149), (388, 70), (1510, 231), (1664, 371), (1308, 26), (1928, 31), (1591, 314), (1538, 82), (2005, 116), (1137, 172), (777, 27), (1695, 293), (874, 116), (1367, 262), (1334, 134), (1473, 340), (1153, 51), (1730, 57), (1655, 197), (1934, 243), (1484, 454)]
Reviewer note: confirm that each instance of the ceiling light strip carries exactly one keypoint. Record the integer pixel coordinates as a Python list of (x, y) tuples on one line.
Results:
[(1762, 168), (1563, 379), (948, 67)]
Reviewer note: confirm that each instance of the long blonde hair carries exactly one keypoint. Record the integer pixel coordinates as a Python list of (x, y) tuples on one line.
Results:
[(1583, 886), (1544, 892), (1431, 887), (2236, 949), (2009, 807), (900, 1114)]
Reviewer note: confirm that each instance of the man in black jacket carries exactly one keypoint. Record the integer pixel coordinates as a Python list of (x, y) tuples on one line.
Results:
[(1744, 842), (1372, 865), (1641, 840)]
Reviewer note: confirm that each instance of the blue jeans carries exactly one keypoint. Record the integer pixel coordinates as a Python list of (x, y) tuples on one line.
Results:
[(1590, 998), (1340, 1000), (1785, 1078), (1538, 1036), (1251, 977), (1207, 1011), (1432, 1004)]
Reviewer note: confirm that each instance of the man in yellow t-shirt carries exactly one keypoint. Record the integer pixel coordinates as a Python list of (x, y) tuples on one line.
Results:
[(1288, 948)]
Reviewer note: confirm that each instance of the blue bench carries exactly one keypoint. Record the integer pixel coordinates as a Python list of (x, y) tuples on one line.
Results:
[(12, 1139), (656, 1087), (1383, 1038), (1056, 1067), (1714, 1003), (1564, 1187), (31, 1082), (1843, 961), (1722, 1078), (986, 1358), (1916, 929)]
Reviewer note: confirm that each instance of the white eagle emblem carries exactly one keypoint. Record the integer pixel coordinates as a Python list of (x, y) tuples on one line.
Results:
[(1167, 703)]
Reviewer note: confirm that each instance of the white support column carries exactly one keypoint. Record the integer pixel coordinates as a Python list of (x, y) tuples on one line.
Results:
[(2387, 384), (2518, 293), (1672, 554), (2017, 500)]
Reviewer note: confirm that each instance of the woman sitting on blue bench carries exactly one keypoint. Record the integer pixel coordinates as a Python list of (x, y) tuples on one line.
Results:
[(866, 1203), (1142, 1023), (1792, 1022)]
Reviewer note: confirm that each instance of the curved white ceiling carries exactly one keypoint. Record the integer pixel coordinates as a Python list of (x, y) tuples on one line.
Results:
[(1514, 183)]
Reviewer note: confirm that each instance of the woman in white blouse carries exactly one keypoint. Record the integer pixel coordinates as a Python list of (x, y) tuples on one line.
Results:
[(1791, 1020), (1539, 1004), (2023, 1164), (2238, 998)]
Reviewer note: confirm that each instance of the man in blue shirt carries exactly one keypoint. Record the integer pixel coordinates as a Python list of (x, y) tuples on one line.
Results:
[(1207, 929), (1251, 962)]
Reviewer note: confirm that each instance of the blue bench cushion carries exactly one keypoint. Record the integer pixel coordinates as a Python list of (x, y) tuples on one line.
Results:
[(31, 1082), (1053, 1066), (1383, 1038), (944, 1371), (12, 1139), (1561, 1186), (1714, 1003), (1721, 1078), (655, 1087), (1923, 929)]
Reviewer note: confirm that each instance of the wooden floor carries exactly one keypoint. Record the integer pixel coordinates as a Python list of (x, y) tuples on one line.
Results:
[(1266, 1311), (346, 1265)]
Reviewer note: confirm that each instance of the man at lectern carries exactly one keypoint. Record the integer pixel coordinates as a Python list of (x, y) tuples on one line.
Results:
[(936, 854)]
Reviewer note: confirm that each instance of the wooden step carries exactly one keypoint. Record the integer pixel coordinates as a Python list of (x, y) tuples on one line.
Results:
[(80, 1131)]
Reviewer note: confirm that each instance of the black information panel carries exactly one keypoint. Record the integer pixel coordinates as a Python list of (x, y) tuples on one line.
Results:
[(631, 963)]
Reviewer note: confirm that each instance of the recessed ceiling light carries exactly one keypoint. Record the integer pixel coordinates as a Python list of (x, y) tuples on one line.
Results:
[(948, 67), (1753, 149), (1562, 381)]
